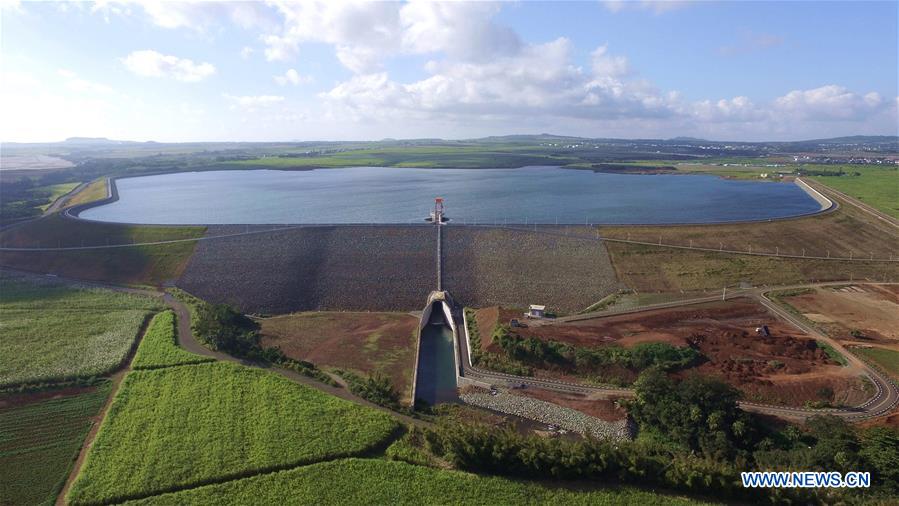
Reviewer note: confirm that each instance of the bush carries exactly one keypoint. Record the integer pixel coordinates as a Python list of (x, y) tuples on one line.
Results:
[(377, 389), (555, 354)]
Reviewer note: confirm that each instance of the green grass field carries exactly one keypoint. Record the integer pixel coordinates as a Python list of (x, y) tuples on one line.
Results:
[(461, 156), (358, 481), (56, 191), (159, 347), (53, 332), (887, 359), (876, 186), (39, 441), (190, 425), (94, 191)]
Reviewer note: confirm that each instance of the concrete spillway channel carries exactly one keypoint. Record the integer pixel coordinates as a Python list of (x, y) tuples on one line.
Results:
[(437, 364)]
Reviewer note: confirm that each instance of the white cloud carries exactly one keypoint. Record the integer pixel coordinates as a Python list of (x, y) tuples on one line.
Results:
[(829, 102), (149, 63), (605, 64), (463, 30), (251, 103), (77, 84), (246, 52), (292, 77), (362, 30), (364, 34), (539, 80)]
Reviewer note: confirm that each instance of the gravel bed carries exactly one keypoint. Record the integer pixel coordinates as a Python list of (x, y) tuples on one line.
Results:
[(550, 414)]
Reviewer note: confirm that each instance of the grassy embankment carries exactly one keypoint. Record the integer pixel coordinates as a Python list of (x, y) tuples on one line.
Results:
[(184, 426), (843, 233), (52, 332), (56, 191), (93, 192), (139, 265), (885, 358), (356, 481), (159, 346), (40, 439), (876, 186)]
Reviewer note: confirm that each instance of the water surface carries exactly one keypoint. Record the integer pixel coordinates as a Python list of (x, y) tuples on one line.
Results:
[(400, 195)]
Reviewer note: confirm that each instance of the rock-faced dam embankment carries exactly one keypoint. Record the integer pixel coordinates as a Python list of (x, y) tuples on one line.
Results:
[(393, 268)]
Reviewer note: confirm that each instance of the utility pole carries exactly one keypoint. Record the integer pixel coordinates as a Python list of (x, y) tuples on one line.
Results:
[(724, 293)]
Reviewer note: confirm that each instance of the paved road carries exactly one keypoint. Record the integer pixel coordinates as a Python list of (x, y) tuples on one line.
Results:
[(885, 399), (61, 201)]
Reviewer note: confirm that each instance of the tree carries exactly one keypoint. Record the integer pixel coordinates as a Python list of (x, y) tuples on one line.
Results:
[(698, 413)]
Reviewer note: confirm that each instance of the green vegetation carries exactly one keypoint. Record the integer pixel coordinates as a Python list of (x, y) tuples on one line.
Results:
[(458, 155), (94, 191), (377, 389), (885, 358), (356, 481), (832, 353), (491, 361), (52, 332), (191, 425), (56, 191), (692, 437), (40, 439), (145, 265), (598, 362), (27, 198), (159, 346), (875, 186), (222, 328)]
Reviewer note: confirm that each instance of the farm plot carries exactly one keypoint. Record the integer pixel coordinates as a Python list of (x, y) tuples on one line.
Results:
[(54, 332), (159, 347), (40, 435), (785, 367), (185, 426), (356, 481), (366, 343)]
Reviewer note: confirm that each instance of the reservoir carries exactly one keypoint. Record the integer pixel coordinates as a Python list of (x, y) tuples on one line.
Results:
[(544, 195)]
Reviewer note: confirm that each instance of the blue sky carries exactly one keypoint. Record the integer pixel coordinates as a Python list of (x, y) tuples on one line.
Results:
[(255, 71)]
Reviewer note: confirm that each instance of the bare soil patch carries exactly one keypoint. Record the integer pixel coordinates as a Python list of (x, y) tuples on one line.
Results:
[(26, 398), (786, 367), (366, 343), (859, 314)]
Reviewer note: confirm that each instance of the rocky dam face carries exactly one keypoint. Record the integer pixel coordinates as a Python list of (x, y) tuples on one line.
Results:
[(394, 268)]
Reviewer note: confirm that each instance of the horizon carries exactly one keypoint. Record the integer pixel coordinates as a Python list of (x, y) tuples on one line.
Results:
[(278, 72), (76, 139)]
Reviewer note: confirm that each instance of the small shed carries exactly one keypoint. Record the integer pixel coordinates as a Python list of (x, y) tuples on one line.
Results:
[(535, 311)]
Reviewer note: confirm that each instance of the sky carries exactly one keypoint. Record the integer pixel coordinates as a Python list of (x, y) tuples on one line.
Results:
[(344, 70)]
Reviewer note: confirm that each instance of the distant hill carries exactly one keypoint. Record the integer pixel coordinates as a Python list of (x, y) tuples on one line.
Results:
[(95, 141)]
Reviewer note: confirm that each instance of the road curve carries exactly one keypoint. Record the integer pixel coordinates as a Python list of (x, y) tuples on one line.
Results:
[(884, 400)]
